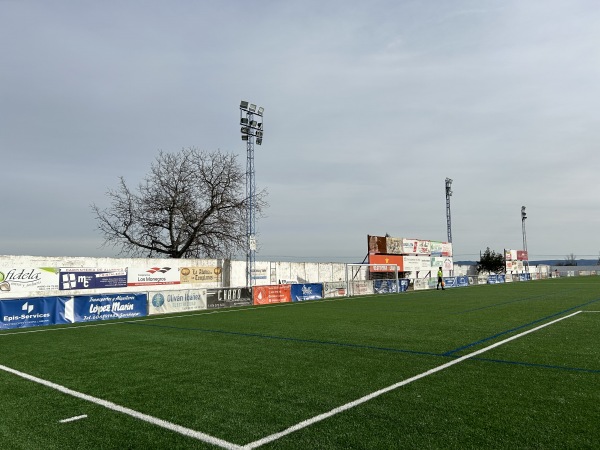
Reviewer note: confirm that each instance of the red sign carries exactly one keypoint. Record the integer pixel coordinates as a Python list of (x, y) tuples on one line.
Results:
[(278, 293), (522, 255), (385, 262)]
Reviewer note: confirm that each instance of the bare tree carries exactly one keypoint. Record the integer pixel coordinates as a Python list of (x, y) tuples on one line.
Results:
[(570, 260), (191, 204)]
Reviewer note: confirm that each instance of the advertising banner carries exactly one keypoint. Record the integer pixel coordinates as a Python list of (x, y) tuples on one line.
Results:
[(416, 247), (510, 255), (92, 278), (334, 289), (389, 286), (165, 302), (441, 248), (152, 276), (445, 263), (393, 246), (229, 297), (421, 283), (22, 280), (416, 263), (524, 277), (495, 279), (87, 308), (361, 287), (376, 244), (453, 282), (31, 312), (462, 281), (385, 263), (259, 274), (302, 292), (277, 293), (200, 274), (522, 255)]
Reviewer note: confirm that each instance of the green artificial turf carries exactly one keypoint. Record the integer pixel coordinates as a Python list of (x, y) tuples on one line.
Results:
[(242, 374)]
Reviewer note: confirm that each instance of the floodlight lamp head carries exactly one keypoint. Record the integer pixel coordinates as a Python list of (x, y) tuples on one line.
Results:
[(244, 104), (244, 137), (259, 141), (245, 130), (253, 123), (252, 107), (244, 121), (261, 110), (259, 125)]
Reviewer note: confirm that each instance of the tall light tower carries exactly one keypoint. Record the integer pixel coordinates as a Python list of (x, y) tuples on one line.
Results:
[(448, 215), (523, 218), (251, 121)]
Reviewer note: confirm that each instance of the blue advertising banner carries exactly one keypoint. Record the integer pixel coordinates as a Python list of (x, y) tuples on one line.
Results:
[(82, 278), (524, 277), (452, 282), (462, 281), (495, 279), (31, 312), (389, 286), (87, 308), (302, 292)]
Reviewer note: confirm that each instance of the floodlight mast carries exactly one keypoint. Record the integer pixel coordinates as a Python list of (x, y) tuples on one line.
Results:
[(448, 215), (523, 218), (251, 122)]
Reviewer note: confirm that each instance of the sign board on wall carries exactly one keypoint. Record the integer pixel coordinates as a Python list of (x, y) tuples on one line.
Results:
[(302, 292), (152, 276), (384, 263), (88, 308), (441, 248), (277, 293), (165, 302), (444, 262), (31, 312), (91, 278), (200, 274), (334, 289), (228, 297), (26, 279)]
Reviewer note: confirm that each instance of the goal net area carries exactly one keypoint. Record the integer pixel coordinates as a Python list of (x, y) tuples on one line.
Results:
[(365, 279)]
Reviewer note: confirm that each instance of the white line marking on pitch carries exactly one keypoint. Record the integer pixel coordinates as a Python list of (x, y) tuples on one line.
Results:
[(375, 394), (73, 419), (231, 446), (130, 412)]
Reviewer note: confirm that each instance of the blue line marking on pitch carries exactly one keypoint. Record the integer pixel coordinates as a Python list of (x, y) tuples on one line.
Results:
[(283, 338), (481, 341), (371, 347), (506, 303)]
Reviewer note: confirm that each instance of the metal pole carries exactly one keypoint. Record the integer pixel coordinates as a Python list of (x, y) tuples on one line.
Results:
[(523, 218), (448, 214), (252, 127)]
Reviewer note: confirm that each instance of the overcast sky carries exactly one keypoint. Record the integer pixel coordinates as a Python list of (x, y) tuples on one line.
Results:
[(369, 106)]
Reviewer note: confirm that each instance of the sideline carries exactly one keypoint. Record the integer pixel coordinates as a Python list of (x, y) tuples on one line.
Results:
[(375, 394), (124, 410), (273, 437)]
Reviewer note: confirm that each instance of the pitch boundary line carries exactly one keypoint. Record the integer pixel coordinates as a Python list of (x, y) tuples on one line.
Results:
[(366, 398), (273, 437), (128, 411)]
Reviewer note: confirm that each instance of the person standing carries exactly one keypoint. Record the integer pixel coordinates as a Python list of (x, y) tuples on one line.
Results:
[(440, 282)]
